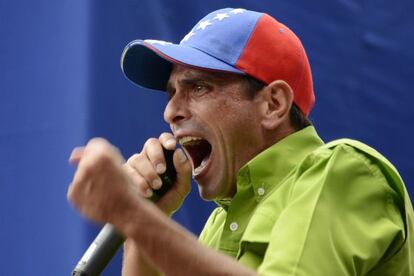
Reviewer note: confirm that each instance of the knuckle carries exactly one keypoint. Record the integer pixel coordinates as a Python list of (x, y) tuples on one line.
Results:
[(98, 152), (151, 141), (97, 142), (141, 183), (165, 135), (168, 140), (103, 157), (128, 169), (101, 147), (134, 158), (149, 176), (86, 168)]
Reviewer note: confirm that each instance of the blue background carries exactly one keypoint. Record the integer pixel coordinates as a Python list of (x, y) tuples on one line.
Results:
[(61, 84)]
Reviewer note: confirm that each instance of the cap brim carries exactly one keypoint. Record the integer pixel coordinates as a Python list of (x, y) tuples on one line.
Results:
[(149, 64)]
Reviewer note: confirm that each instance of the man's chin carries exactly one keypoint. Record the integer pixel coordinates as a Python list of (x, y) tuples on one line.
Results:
[(204, 194)]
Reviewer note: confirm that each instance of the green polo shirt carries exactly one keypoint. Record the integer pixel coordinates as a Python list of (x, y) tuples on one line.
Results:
[(306, 208)]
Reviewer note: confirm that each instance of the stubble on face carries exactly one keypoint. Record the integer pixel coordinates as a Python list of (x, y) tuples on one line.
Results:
[(213, 107)]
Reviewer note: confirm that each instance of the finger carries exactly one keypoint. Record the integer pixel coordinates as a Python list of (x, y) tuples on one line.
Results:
[(143, 187), (183, 168), (76, 155), (104, 150), (97, 152), (73, 192), (144, 167), (168, 140), (154, 152)]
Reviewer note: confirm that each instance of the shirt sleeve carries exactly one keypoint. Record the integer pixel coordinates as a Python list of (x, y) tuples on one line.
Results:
[(341, 218)]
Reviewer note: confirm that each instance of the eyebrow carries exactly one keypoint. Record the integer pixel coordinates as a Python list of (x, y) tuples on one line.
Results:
[(194, 77)]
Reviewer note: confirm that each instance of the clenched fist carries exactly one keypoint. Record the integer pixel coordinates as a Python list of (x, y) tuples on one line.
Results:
[(101, 188), (105, 188)]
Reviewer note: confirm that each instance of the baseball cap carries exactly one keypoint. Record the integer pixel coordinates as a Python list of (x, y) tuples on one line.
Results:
[(229, 40)]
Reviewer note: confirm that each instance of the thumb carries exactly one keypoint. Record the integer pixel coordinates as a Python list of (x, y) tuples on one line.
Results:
[(183, 168)]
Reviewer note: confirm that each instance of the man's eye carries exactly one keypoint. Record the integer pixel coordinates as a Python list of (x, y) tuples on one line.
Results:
[(200, 88)]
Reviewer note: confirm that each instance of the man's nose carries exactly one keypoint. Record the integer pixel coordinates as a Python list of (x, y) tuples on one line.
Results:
[(177, 110)]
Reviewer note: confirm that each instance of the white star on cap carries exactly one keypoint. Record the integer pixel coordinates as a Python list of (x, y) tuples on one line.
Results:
[(203, 24), (236, 11), (221, 16), (153, 41), (187, 36)]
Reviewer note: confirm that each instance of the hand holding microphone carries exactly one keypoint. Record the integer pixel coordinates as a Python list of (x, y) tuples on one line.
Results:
[(146, 167), (104, 189)]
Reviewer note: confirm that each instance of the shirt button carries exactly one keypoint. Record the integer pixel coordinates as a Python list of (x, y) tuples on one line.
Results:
[(261, 191), (234, 226)]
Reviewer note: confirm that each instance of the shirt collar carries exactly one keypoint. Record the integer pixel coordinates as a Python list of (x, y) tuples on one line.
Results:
[(267, 169)]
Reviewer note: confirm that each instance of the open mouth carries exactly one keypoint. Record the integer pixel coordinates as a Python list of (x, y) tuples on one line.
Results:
[(199, 151)]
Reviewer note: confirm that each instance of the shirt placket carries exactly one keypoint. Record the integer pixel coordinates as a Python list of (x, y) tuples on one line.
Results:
[(238, 215)]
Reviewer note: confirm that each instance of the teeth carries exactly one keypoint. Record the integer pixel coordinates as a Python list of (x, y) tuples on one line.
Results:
[(189, 139), (188, 142), (200, 168)]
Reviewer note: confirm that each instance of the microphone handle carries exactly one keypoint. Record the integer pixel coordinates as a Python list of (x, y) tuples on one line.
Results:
[(100, 252), (108, 241)]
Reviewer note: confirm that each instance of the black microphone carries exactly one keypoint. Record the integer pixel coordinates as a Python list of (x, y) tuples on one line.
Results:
[(108, 241)]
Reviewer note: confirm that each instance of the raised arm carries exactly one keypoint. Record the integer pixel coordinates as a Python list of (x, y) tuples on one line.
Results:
[(103, 191)]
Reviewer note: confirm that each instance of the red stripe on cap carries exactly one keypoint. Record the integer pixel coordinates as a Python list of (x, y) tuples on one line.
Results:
[(273, 52)]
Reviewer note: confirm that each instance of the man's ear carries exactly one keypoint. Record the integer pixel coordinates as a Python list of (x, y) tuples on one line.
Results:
[(278, 100)]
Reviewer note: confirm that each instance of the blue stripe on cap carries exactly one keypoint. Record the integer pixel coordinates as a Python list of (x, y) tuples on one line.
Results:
[(226, 38)]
